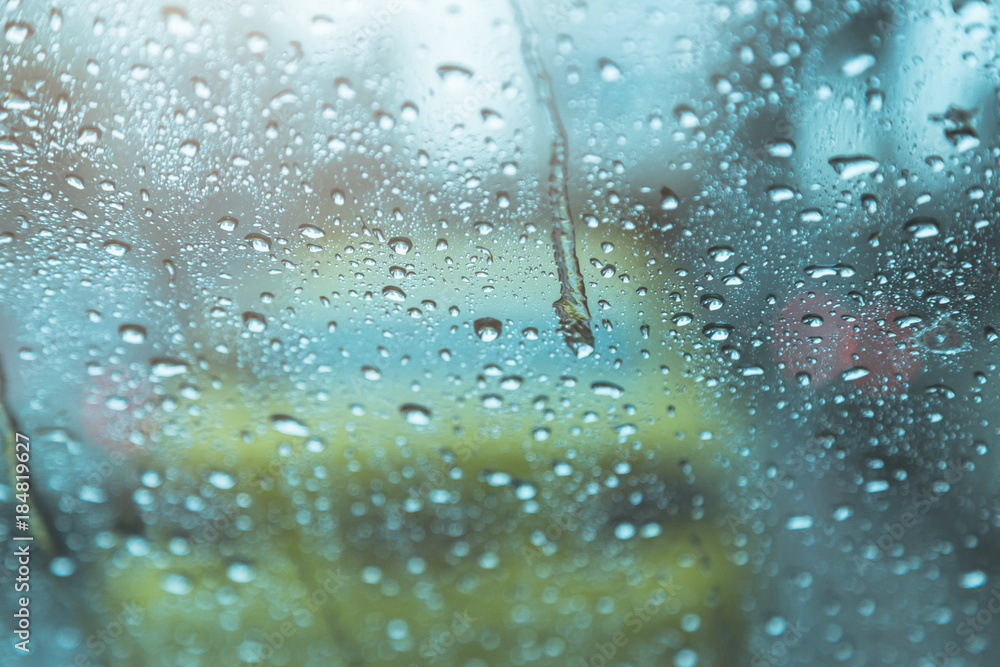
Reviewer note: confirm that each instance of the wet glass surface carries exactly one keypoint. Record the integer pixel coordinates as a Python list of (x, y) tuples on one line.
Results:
[(525, 333)]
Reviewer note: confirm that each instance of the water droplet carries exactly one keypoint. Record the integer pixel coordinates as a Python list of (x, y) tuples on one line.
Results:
[(721, 253), (852, 166), (254, 322), (116, 248), (62, 566), (88, 135), (923, 228), (289, 426), (371, 373), (780, 193), (780, 148), (799, 522), (488, 329), (400, 245), (189, 148), (973, 579), (133, 334), (525, 491), (393, 293), (140, 72), (717, 332), (256, 43), (562, 469), (682, 319), (165, 368), (415, 414), (221, 480), (259, 242), (624, 531), (610, 71), (686, 116), (855, 373), (18, 32), (454, 76), (311, 231), (177, 584), (607, 389), (177, 22), (240, 572), (712, 301), (858, 64), (397, 629), (492, 401), (228, 223), (668, 199)]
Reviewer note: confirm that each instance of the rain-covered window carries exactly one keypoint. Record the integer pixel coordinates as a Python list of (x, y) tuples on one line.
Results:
[(580, 333)]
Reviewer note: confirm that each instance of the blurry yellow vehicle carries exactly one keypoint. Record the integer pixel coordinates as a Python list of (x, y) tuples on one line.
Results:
[(491, 501)]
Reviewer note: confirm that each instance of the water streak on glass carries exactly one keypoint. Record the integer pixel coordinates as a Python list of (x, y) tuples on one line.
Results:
[(571, 306)]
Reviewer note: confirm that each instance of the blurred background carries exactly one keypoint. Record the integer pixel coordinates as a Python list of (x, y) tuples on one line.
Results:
[(277, 315)]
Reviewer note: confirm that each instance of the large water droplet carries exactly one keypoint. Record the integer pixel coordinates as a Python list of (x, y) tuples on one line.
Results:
[(488, 329), (289, 426), (415, 414)]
